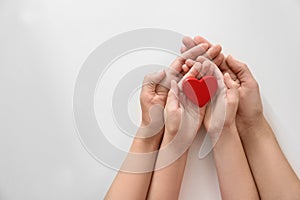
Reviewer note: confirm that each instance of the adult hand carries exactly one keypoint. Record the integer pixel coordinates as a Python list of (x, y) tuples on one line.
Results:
[(155, 91), (250, 110)]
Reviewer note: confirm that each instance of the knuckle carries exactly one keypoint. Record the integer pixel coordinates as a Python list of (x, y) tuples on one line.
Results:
[(244, 65), (255, 84), (147, 77)]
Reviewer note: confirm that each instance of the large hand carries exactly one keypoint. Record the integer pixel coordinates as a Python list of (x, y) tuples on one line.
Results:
[(183, 119), (213, 53), (150, 98), (155, 90), (218, 59), (250, 109)]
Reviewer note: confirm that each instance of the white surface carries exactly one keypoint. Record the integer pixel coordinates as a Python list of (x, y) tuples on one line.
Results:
[(44, 43)]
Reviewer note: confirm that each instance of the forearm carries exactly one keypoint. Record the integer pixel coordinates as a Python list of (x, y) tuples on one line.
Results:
[(166, 182), (274, 176), (134, 186), (234, 175)]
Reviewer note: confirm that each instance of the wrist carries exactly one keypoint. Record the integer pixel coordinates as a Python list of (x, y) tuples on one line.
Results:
[(168, 136), (232, 129), (227, 130), (229, 138), (253, 129), (143, 143)]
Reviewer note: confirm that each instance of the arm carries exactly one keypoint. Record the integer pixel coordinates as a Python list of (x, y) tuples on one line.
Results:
[(154, 92), (132, 183), (274, 177), (134, 186), (273, 174), (234, 174), (166, 182), (181, 127)]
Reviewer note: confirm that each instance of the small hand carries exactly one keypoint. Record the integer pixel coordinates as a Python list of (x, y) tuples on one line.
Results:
[(215, 124), (182, 121), (214, 53), (180, 113)]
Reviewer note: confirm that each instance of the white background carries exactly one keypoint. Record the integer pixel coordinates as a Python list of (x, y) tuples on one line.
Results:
[(44, 43)]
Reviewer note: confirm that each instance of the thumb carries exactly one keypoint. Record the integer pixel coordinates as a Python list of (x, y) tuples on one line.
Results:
[(240, 69), (151, 80), (173, 99)]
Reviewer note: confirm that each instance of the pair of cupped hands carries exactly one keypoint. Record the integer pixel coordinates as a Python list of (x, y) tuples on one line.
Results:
[(167, 110)]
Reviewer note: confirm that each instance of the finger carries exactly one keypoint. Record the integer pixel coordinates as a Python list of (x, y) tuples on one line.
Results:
[(151, 80), (199, 40), (210, 67), (213, 51), (192, 53), (201, 59), (188, 42), (219, 59), (240, 69), (193, 72), (185, 68), (190, 62), (196, 51), (183, 49), (176, 71), (230, 84), (232, 95), (224, 68), (204, 69), (173, 99)]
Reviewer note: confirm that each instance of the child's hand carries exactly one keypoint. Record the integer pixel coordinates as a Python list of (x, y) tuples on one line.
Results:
[(214, 120), (214, 54), (220, 113), (181, 115)]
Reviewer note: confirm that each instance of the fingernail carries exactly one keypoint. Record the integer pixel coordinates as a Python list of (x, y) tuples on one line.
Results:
[(204, 45), (231, 57)]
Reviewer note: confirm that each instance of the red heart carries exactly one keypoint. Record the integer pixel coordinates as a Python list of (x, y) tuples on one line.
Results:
[(200, 91)]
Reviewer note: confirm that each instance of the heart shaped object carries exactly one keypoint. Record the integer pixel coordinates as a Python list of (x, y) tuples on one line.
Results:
[(200, 91)]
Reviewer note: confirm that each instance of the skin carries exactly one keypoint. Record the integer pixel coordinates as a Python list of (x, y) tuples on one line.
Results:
[(230, 159), (154, 93), (181, 121), (135, 185), (273, 174), (274, 177), (166, 182)]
